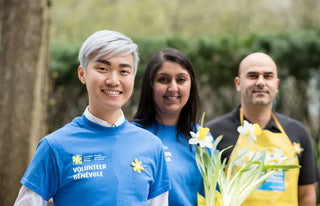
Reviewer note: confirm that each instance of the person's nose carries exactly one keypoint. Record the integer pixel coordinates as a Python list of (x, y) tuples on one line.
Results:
[(261, 81), (112, 79), (173, 86)]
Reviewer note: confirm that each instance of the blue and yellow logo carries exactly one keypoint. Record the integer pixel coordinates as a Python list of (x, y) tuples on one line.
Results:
[(77, 159)]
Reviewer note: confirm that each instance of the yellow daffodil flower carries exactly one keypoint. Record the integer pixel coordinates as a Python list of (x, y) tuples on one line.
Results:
[(235, 185), (203, 133), (137, 166), (257, 129), (250, 131), (202, 138)]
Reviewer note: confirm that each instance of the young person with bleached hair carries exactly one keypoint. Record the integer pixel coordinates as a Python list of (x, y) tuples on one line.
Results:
[(100, 158)]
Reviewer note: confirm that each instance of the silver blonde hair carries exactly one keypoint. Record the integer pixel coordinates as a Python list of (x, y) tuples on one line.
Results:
[(109, 43)]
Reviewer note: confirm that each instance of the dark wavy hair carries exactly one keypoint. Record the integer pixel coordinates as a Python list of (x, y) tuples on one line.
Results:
[(146, 113)]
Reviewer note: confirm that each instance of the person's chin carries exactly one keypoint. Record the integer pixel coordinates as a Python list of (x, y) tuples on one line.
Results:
[(261, 102)]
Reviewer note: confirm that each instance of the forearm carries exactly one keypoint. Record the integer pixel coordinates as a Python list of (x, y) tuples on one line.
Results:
[(307, 195)]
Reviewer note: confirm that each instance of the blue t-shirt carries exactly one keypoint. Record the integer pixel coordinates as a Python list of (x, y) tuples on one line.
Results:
[(84, 163), (185, 177)]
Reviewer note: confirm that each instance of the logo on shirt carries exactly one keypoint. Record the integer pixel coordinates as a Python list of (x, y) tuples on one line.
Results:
[(77, 159), (87, 166), (137, 167), (297, 148)]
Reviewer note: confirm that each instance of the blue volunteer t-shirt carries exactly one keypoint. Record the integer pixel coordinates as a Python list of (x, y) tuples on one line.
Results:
[(185, 177), (84, 163)]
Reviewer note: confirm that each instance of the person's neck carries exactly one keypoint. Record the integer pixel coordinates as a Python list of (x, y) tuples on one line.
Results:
[(167, 119), (260, 114), (110, 116)]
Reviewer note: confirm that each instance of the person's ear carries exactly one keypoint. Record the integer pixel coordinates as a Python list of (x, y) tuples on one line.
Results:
[(237, 83), (81, 75)]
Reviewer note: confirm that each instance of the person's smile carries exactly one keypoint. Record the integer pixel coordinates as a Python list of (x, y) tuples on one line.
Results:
[(172, 99), (111, 93)]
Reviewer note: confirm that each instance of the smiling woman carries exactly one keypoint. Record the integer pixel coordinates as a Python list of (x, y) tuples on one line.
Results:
[(171, 85), (168, 107)]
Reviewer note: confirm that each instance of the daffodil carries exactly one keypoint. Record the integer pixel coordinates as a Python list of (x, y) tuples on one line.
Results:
[(250, 131), (244, 173), (202, 138), (137, 166)]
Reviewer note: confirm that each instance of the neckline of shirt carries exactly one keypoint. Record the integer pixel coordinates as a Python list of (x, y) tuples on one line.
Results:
[(101, 122)]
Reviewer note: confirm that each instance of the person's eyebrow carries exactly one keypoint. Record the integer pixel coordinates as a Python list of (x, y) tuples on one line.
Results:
[(180, 74), (268, 73), (103, 61), (254, 72)]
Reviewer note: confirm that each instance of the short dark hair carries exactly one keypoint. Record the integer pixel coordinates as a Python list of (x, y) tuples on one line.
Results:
[(146, 113)]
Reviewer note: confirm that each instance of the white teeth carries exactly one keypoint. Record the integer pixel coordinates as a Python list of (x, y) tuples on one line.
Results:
[(111, 92), (172, 97)]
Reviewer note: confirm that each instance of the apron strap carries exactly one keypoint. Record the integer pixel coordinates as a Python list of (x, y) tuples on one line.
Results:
[(241, 117), (277, 123), (273, 116)]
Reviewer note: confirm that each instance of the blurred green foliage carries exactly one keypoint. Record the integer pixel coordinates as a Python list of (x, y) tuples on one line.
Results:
[(76, 19), (215, 58)]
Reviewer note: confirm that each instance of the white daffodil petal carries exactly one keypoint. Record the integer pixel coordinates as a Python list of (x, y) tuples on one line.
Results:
[(250, 140), (202, 144), (242, 130), (193, 141), (209, 145), (246, 124), (193, 134)]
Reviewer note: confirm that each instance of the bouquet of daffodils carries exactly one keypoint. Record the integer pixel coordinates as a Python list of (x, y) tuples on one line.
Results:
[(230, 184)]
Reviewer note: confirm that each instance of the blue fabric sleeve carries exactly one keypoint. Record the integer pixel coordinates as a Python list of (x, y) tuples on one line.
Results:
[(161, 182), (42, 174)]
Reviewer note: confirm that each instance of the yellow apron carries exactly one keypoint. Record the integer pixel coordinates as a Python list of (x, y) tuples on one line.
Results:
[(281, 188)]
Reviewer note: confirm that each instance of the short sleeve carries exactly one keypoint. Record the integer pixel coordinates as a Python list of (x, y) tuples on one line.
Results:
[(42, 174), (309, 172), (161, 182)]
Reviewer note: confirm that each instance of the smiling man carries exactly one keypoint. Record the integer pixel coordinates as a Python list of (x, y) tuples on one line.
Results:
[(100, 158), (257, 84)]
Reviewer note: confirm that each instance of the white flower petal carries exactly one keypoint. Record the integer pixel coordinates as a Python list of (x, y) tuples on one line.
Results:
[(193, 141), (193, 134), (242, 130), (209, 145), (250, 140)]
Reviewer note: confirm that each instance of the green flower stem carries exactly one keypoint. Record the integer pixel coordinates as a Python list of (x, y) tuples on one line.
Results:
[(235, 185)]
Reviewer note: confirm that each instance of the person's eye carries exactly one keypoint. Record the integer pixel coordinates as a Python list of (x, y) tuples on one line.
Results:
[(102, 69), (268, 76), (163, 80), (125, 71), (252, 76), (181, 79)]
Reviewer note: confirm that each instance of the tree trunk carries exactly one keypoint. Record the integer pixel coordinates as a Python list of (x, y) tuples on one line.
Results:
[(23, 88)]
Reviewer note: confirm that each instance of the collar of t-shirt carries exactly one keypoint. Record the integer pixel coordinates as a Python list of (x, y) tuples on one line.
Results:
[(96, 120)]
